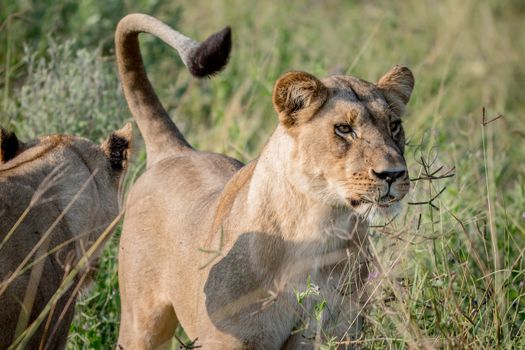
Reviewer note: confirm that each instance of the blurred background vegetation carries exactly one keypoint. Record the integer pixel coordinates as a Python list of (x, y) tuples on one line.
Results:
[(455, 266)]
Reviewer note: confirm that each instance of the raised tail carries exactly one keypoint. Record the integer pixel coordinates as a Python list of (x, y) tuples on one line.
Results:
[(207, 58)]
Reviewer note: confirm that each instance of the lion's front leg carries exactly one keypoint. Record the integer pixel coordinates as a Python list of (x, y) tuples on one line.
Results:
[(332, 312), (330, 320)]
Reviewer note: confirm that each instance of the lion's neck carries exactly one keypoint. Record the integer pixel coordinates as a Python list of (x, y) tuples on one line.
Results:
[(292, 235), (282, 209)]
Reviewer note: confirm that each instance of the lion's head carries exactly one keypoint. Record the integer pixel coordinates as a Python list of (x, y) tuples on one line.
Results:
[(56, 167), (348, 138)]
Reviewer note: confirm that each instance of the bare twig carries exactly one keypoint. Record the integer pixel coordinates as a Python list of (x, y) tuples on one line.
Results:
[(484, 120), (429, 202), (188, 346)]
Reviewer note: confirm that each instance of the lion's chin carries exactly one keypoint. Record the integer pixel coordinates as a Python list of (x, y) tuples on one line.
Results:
[(378, 214)]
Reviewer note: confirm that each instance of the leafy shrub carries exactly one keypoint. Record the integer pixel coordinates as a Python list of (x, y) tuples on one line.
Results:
[(68, 92)]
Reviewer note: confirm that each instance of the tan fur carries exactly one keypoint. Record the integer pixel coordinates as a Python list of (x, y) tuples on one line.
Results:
[(221, 248), (52, 176)]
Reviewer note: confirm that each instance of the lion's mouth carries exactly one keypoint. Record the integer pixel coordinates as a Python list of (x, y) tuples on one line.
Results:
[(383, 202), (355, 202), (386, 201), (376, 211)]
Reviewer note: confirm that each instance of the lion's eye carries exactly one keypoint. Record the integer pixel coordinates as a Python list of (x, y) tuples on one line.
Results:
[(395, 128), (344, 130)]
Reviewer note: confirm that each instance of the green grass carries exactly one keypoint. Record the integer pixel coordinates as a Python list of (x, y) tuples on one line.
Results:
[(453, 276)]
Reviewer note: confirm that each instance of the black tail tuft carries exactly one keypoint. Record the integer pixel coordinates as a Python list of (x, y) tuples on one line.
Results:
[(212, 54)]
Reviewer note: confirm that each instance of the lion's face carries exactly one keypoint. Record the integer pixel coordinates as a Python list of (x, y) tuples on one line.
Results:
[(348, 138)]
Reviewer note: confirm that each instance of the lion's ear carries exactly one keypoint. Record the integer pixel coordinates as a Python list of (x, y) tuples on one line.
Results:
[(296, 96), (397, 85), (9, 145), (117, 147)]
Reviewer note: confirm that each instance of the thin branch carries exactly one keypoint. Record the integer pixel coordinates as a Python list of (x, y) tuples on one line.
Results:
[(429, 202), (484, 121)]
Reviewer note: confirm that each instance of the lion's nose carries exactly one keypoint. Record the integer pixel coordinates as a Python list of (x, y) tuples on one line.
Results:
[(389, 176)]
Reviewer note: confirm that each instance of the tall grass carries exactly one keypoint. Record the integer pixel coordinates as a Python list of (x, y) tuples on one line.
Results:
[(450, 272)]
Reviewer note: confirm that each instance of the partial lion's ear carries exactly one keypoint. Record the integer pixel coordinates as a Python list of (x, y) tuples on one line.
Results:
[(296, 96), (117, 147), (397, 85), (9, 145)]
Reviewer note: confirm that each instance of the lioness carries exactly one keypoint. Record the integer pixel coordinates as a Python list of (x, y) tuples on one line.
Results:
[(232, 252), (57, 195)]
